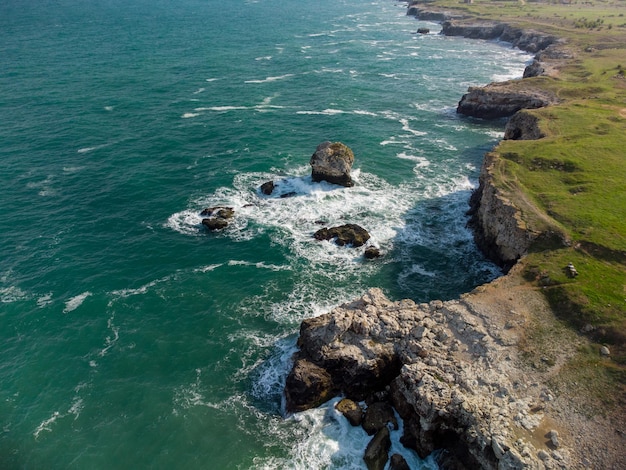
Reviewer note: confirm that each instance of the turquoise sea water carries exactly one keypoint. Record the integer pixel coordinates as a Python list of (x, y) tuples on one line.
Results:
[(131, 337)]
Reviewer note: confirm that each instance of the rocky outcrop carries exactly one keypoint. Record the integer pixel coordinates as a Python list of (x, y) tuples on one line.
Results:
[(498, 100), (332, 162), (523, 125), (348, 234), (448, 368), (216, 218)]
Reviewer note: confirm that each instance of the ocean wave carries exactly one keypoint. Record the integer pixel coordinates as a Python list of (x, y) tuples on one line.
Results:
[(270, 79), (12, 294), (76, 301)]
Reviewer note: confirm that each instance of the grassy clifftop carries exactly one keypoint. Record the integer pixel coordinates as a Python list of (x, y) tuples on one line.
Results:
[(575, 176)]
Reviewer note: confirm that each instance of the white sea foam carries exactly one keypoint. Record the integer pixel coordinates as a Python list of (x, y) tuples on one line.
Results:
[(323, 438), (110, 340), (76, 301), (44, 300), (271, 79), (45, 425), (259, 265), (190, 115), (206, 269), (325, 112), (421, 161), (123, 293), (12, 294)]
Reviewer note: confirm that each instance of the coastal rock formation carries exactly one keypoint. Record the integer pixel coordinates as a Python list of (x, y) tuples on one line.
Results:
[(523, 125), (526, 40), (216, 218), (267, 188), (348, 234), (332, 162), (504, 99), (377, 451), (449, 371)]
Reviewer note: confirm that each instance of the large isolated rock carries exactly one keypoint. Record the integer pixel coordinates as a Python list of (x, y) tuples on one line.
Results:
[(332, 162), (348, 234)]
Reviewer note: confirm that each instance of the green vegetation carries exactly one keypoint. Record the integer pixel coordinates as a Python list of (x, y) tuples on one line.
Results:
[(574, 179)]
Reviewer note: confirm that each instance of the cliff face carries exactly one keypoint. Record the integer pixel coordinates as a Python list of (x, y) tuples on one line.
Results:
[(498, 227), (498, 100)]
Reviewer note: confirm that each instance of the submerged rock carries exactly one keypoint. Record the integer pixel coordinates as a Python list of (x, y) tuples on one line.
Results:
[(372, 253), (267, 188), (332, 162), (377, 451), (348, 234)]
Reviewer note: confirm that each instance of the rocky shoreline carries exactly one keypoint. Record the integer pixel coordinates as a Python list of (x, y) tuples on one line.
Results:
[(453, 370)]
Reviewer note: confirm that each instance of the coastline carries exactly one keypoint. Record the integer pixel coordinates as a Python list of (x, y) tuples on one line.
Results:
[(466, 375)]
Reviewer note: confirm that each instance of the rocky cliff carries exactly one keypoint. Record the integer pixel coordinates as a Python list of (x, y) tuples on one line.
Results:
[(504, 99), (450, 369)]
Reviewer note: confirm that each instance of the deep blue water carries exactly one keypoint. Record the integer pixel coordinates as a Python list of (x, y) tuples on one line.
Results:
[(131, 337)]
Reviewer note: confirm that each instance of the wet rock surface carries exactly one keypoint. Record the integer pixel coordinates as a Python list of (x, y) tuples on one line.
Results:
[(348, 234), (332, 162)]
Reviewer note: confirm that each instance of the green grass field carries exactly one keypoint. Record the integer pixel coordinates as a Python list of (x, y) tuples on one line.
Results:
[(574, 178)]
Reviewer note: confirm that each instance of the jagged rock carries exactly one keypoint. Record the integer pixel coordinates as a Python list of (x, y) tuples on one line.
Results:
[(307, 386), (504, 99), (523, 126), (267, 188), (332, 162), (377, 451), (397, 462), (377, 416), (423, 30), (358, 366), (535, 69), (372, 253), (215, 223), (351, 410), (217, 217), (604, 351), (348, 234)]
